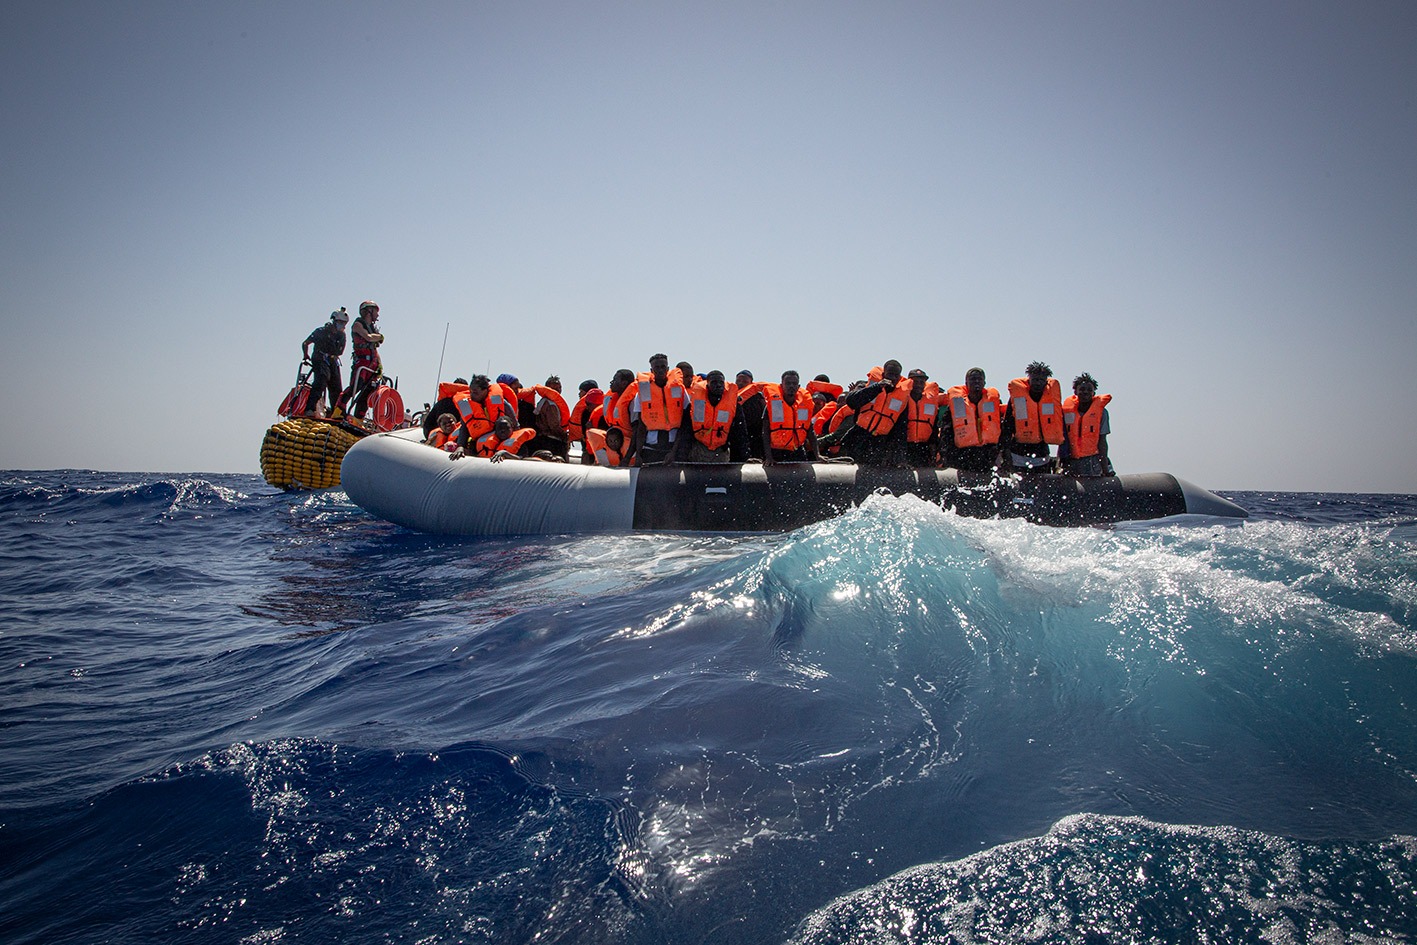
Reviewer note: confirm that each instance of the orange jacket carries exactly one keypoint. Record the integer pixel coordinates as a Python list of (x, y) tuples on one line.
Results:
[(487, 443), (604, 455), (974, 424), (788, 424), (821, 417), (825, 387), (480, 418), (921, 414), (879, 416), (1037, 421), (583, 414), (660, 408), (1084, 431), (443, 441), (711, 422)]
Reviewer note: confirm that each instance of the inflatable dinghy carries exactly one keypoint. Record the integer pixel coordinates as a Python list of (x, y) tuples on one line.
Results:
[(395, 477)]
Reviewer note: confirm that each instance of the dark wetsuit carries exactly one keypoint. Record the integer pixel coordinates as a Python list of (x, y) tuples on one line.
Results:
[(327, 344), (752, 410)]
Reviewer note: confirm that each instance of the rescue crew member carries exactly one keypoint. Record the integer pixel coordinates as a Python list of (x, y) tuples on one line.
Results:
[(878, 439), (920, 415), (969, 425), (1084, 450), (751, 405), (712, 430), (367, 367), (328, 342), (657, 411), (1033, 420), (787, 423)]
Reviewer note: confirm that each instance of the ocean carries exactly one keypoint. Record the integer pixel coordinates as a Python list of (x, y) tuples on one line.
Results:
[(229, 714)]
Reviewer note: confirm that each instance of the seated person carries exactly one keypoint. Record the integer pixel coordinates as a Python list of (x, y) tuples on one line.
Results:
[(1033, 420), (444, 436), (607, 446), (969, 425), (1084, 451)]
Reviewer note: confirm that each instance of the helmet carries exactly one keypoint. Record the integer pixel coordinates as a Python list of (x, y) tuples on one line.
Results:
[(340, 316), (366, 305)]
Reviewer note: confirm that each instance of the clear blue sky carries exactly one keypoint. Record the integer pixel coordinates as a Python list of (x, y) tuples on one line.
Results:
[(1212, 207)]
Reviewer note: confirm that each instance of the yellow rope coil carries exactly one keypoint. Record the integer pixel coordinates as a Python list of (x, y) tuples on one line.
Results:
[(302, 453)]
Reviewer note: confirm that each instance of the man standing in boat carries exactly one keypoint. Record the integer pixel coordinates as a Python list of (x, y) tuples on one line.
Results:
[(969, 425), (1084, 450), (328, 342), (657, 411), (1034, 419), (367, 367)]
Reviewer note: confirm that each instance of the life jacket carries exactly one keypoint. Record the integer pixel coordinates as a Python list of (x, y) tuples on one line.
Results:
[(788, 424), (920, 414), (825, 387), (974, 424), (480, 418), (449, 390), (551, 394), (821, 417), (879, 416), (443, 441), (1084, 431), (604, 456), (1037, 421), (487, 443), (711, 422), (583, 414), (616, 409), (365, 352), (660, 408), (843, 413)]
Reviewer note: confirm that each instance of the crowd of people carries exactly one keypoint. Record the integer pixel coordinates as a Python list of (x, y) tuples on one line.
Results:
[(674, 415)]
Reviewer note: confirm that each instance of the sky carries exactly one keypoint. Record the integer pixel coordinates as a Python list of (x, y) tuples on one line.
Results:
[(1209, 206)]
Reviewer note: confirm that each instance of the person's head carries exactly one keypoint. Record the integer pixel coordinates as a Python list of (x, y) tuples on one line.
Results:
[(460, 380), (716, 385), (1038, 374), (622, 379), (791, 383), (917, 382), (686, 371), (509, 380), (586, 387), (446, 422), (659, 367), (340, 318), (823, 378), (974, 383), (615, 439), (745, 377), (1085, 386), (890, 371), (554, 383), (477, 387), (546, 456), (819, 400), (503, 427), (369, 311)]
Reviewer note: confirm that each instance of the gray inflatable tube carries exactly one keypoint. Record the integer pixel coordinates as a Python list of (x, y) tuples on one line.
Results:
[(396, 478)]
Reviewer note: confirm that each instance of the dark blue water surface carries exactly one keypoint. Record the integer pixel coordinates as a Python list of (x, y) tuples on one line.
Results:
[(233, 715)]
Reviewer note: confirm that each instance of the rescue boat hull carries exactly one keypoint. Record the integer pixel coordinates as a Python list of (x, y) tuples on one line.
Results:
[(396, 478)]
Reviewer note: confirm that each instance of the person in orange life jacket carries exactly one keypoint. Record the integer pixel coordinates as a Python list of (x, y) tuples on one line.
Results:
[(503, 436), (328, 341), (878, 438), (607, 447), (548, 419), (1084, 449), (751, 406), (656, 412), (686, 374), (842, 419), (367, 367), (525, 410), (970, 415), (921, 409), (1033, 419), (787, 423), (582, 414), (444, 404), (445, 434), (485, 403), (712, 430)]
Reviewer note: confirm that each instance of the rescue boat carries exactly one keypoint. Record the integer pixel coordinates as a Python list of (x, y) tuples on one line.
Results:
[(395, 477)]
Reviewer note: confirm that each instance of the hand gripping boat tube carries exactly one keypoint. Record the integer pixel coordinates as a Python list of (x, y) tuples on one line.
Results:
[(396, 478)]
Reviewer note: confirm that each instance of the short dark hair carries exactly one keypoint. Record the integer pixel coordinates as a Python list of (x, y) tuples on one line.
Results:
[(973, 371), (793, 373), (480, 380), (655, 357), (1038, 367), (1084, 376)]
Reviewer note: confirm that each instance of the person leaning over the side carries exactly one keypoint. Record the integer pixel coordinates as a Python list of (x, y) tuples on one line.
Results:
[(1084, 449)]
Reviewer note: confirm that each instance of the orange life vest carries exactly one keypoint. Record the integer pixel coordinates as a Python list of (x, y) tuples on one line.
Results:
[(661, 408), (443, 441), (583, 413), (604, 455), (617, 409), (974, 424), (920, 414), (711, 422), (825, 387), (1037, 421), (480, 418), (551, 394), (449, 389), (879, 416), (487, 444), (1084, 431), (788, 423), (820, 418)]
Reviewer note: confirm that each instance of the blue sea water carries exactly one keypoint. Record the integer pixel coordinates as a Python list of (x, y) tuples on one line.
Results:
[(229, 714)]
